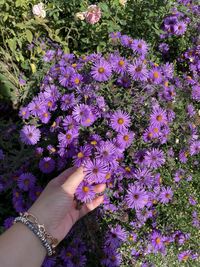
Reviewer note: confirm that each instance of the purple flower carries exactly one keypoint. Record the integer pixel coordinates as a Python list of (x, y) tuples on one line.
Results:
[(47, 165), (95, 170), (85, 192), (195, 148), (8, 222), (196, 92), (67, 101), (83, 114), (125, 138), (136, 197), (26, 181), (116, 236), (164, 48), (157, 241), (34, 192), (101, 71), (140, 46), (119, 64), (155, 76), (30, 135), (24, 112), (154, 158), (120, 121), (180, 28), (158, 117), (49, 56), (184, 255), (83, 153), (106, 151), (49, 262), (166, 195), (138, 70)]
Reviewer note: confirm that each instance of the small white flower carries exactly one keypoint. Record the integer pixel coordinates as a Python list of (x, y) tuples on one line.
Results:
[(123, 2), (39, 11), (177, 141), (80, 15)]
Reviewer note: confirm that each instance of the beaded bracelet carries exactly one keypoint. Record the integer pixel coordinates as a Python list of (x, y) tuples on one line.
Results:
[(37, 232)]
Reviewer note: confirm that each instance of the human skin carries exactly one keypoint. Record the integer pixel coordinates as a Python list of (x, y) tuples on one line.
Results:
[(56, 209)]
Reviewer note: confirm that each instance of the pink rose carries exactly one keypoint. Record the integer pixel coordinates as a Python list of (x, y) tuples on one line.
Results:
[(93, 14)]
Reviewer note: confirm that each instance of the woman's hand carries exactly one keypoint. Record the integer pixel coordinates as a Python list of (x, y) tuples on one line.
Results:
[(56, 207)]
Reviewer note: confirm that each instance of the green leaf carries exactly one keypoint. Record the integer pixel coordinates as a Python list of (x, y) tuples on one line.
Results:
[(29, 36), (12, 44)]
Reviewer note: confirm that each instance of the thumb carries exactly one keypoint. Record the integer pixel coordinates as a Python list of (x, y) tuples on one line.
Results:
[(73, 181)]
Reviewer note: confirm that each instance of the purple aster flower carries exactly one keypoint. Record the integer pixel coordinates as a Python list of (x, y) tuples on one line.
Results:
[(138, 70), (124, 81), (65, 139), (101, 71), (49, 262), (125, 138), (83, 114), (44, 117), (195, 147), (192, 201), (24, 112), (95, 170), (140, 46), (180, 28), (111, 257), (196, 92), (115, 236), (157, 241), (191, 110), (106, 151), (49, 55), (184, 255), (83, 153), (52, 92), (158, 117), (164, 48), (65, 76), (154, 158), (120, 121), (166, 195), (183, 156), (85, 192), (67, 101), (76, 79), (136, 197), (119, 64), (155, 76), (34, 192), (151, 132), (8, 222), (26, 181), (47, 165), (126, 41), (30, 135)]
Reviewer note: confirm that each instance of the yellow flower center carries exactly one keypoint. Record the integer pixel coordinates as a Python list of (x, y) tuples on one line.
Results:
[(23, 112), (74, 65), (50, 104), (68, 136), (46, 115), (150, 135), (108, 175), (156, 130), (159, 118), (86, 189), (94, 142), (128, 169), (158, 240), (185, 257), (80, 155), (121, 63), (68, 254), (166, 83), (126, 137), (120, 120), (156, 75), (101, 70), (46, 165), (77, 81), (139, 45)]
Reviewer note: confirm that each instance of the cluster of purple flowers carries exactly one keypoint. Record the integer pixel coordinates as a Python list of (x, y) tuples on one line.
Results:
[(119, 117), (175, 24)]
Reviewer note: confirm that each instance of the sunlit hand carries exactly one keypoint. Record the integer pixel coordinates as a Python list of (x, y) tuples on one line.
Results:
[(56, 207)]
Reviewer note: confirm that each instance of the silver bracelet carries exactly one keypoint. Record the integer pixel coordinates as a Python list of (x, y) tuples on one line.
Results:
[(37, 232)]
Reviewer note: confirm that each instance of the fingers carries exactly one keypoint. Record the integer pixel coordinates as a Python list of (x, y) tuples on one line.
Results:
[(61, 178), (99, 188), (91, 205), (73, 181)]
